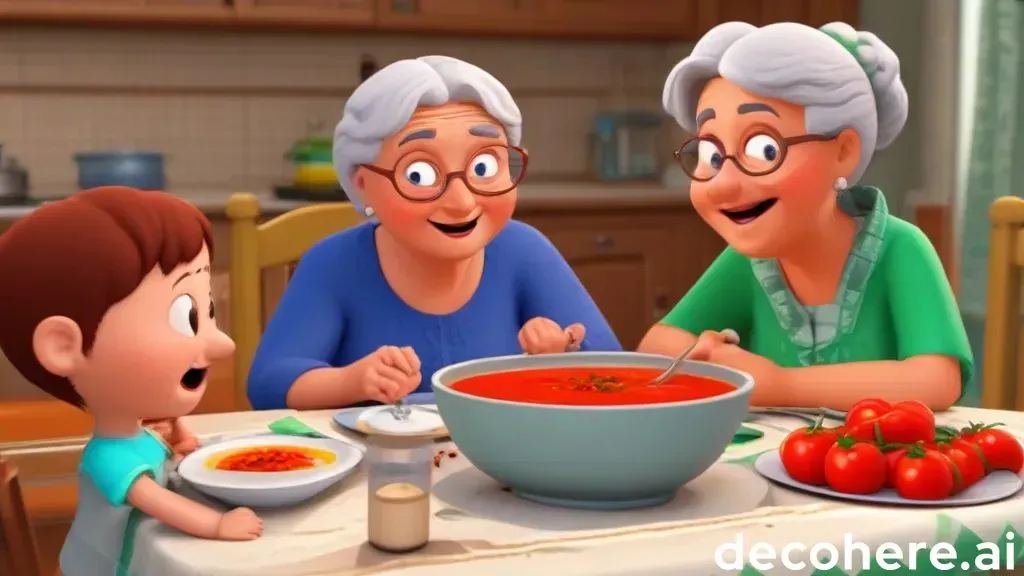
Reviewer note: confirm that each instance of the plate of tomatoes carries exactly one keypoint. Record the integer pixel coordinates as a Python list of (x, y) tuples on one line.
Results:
[(896, 454)]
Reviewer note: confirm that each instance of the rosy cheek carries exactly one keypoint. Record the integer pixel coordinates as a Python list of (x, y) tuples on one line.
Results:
[(801, 172), (499, 208), (398, 210), (701, 199)]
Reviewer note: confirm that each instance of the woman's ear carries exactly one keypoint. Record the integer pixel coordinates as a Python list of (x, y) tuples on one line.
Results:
[(57, 343), (359, 179), (847, 152)]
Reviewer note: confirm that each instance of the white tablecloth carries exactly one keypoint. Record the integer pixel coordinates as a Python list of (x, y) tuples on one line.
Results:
[(479, 529)]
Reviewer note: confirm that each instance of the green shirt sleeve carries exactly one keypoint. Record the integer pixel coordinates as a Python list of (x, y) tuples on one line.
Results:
[(924, 312), (722, 298)]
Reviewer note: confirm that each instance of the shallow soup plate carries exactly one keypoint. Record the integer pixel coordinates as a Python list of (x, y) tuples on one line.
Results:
[(334, 461)]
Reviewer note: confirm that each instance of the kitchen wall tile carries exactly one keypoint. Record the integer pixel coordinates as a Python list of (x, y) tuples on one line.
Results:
[(274, 124), (225, 107)]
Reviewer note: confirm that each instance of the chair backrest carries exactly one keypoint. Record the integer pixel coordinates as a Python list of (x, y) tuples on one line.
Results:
[(19, 553), (256, 247), (1001, 387)]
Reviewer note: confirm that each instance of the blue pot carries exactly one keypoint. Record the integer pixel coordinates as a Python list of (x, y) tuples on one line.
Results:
[(142, 170), (598, 457)]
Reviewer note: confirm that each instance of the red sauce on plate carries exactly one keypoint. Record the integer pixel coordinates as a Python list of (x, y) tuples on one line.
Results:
[(598, 386)]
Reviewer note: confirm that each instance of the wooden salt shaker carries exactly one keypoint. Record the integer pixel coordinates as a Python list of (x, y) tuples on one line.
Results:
[(399, 484)]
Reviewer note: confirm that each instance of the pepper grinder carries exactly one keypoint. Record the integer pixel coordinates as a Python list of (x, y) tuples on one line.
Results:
[(399, 484)]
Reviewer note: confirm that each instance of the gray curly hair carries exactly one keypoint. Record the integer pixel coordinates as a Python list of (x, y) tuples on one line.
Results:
[(843, 78), (385, 102)]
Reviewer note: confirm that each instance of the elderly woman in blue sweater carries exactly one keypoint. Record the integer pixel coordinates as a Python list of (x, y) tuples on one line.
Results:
[(429, 150)]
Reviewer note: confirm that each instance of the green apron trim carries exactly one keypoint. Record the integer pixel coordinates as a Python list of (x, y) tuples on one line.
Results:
[(131, 529), (867, 204)]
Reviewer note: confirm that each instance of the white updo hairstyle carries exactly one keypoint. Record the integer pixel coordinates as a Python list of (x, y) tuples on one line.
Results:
[(385, 102), (843, 78)]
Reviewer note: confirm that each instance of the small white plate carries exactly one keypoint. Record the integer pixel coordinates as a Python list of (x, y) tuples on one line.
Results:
[(420, 421), (268, 489), (998, 485)]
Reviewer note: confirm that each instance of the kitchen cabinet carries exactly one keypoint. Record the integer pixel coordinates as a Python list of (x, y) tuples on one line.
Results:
[(676, 20), (471, 16), (814, 13), (635, 261), (648, 18), (307, 12)]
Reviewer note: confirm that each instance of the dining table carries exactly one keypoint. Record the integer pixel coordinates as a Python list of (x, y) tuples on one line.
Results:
[(477, 527)]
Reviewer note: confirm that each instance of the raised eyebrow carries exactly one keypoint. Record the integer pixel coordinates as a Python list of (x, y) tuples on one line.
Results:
[(704, 116), (425, 134), (485, 131), (756, 107), (182, 277)]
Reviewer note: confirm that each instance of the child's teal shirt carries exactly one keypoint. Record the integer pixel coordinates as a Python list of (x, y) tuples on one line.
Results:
[(102, 536)]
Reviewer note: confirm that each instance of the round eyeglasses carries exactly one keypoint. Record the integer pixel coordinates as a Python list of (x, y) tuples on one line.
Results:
[(763, 152), (492, 171)]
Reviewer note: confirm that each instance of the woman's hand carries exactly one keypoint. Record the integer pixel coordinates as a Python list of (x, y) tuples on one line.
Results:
[(388, 374), (176, 435), (545, 336)]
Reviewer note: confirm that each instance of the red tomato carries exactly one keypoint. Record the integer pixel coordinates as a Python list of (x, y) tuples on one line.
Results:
[(855, 467), (803, 453), (925, 474), (892, 458), (1000, 450), (867, 411), (878, 421), (968, 461)]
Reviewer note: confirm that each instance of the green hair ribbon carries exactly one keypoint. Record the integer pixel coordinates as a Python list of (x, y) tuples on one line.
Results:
[(853, 47)]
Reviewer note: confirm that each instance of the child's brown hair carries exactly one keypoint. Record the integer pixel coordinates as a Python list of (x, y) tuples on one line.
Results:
[(80, 256)]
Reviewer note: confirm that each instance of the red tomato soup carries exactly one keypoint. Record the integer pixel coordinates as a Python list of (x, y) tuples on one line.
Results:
[(599, 386)]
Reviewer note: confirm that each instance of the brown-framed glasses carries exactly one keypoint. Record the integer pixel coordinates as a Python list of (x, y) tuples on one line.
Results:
[(763, 152), (491, 171)]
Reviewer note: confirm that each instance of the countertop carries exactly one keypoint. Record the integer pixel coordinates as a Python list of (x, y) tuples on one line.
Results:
[(540, 196)]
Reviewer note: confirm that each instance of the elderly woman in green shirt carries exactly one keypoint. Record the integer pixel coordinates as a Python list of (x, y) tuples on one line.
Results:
[(834, 299)]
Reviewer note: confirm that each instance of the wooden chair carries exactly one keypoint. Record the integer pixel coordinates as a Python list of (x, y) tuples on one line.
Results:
[(19, 553), (256, 247), (1001, 388)]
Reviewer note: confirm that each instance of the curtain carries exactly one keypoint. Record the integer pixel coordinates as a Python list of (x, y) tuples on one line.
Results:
[(996, 159)]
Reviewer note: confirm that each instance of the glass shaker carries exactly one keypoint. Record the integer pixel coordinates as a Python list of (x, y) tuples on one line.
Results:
[(400, 475)]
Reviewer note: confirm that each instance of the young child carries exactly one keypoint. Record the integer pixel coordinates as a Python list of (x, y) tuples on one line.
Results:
[(106, 305)]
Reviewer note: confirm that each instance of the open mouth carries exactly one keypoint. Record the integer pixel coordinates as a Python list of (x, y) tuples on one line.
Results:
[(456, 230), (750, 213), (194, 378)]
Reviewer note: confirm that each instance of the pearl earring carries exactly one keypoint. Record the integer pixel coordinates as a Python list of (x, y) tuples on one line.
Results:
[(368, 211), (840, 184)]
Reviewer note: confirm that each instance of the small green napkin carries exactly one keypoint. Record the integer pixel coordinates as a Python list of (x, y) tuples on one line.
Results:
[(746, 434), (292, 426)]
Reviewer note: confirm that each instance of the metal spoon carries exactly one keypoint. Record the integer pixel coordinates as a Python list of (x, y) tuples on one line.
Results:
[(731, 337), (400, 411)]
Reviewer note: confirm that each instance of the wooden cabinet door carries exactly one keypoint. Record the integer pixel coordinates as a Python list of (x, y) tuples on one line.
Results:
[(308, 11), (636, 264), (459, 16), (618, 270), (814, 13), (650, 18)]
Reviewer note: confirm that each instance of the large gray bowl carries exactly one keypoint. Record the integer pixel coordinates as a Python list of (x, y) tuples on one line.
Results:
[(606, 457)]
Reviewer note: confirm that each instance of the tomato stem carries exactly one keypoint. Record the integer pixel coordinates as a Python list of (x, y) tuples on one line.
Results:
[(892, 447), (879, 439), (975, 427), (846, 442), (915, 451), (817, 426)]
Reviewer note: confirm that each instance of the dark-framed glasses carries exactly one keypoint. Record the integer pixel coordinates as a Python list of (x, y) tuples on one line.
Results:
[(761, 153), (491, 171)]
